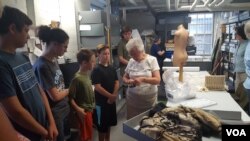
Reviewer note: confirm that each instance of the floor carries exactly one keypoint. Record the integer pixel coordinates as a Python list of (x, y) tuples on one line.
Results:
[(116, 131)]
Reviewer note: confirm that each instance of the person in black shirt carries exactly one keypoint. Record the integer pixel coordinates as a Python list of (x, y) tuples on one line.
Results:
[(105, 81)]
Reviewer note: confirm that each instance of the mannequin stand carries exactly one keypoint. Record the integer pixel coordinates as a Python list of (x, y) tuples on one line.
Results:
[(181, 73)]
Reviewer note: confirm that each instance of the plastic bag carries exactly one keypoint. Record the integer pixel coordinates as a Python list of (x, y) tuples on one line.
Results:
[(176, 90)]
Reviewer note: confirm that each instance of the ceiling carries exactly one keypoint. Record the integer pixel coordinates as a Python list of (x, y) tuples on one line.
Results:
[(158, 6)]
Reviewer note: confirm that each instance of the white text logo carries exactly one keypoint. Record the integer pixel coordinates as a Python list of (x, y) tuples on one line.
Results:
[(236, 132)]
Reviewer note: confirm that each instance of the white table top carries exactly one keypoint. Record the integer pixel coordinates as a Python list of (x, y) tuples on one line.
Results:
[(224, 100), (193, 58)]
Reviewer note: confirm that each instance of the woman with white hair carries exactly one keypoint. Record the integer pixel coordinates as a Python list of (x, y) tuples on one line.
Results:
[(142, 75), (247, 62)]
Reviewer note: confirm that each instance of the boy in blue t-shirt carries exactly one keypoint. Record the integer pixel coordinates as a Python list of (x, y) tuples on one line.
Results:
[(20, 93)]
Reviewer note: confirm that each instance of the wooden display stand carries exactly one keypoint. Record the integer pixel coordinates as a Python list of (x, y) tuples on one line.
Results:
[(181, 73)]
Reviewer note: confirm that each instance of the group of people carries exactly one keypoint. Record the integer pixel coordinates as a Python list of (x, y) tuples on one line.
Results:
[(37, 94)]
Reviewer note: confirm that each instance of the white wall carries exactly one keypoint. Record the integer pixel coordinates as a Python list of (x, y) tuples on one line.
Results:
[(19, 4), (0, 5), (30, 10), (69, 25), (59, 10)]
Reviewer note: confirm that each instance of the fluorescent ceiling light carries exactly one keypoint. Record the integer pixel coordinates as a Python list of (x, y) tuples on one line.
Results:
[(85, 27)]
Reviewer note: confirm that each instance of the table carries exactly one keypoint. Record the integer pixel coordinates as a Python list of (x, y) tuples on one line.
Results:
[(203, 64), (225, 104), (224, 100)]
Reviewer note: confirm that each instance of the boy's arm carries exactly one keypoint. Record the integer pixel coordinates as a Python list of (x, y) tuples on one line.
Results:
[(25, 119), (57, 94), (80, 111), (115, 92), (120, 55), (123, 60), (52, 130), (7, 133), (116, 87), (103, 92)]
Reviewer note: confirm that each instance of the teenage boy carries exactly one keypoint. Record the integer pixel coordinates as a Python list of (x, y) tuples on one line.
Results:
[(22, 98)]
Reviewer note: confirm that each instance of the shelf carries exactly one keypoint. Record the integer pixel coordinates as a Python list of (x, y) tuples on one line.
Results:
[(234, 41), (227, 40), (200, 23), (226, 60), (225, 69), (203, 33), (233, 19), (226, 50), (230, 71), (203, 43), (230, 84), (244, 16)]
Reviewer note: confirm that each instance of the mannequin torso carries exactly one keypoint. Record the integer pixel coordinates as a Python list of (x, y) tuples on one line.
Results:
[(180, 43)]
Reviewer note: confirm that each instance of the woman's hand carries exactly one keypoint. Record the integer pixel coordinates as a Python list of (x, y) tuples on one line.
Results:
[(138, 80), (131, 81)]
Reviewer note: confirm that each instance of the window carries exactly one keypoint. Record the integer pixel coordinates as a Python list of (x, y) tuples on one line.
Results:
[(201, 27)]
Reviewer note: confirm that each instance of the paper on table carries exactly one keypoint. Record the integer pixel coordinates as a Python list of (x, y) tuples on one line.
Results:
[(198, 103)]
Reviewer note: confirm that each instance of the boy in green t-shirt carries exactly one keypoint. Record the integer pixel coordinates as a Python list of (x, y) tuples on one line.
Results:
[(81, 93)]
